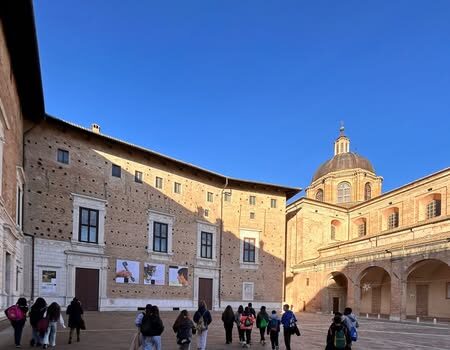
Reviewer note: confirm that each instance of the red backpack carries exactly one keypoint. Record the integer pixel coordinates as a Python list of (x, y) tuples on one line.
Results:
[(15, 313)]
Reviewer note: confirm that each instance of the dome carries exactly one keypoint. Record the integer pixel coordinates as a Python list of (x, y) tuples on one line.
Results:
[(343, 161)]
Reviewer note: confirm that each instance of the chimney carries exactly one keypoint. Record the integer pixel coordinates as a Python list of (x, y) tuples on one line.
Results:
[(95, 128)]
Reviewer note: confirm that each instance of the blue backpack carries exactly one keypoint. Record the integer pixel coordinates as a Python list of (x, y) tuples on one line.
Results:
[(273, 325)]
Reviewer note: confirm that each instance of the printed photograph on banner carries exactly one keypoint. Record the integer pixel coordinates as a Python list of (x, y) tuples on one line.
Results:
[(154, 274), (178, 276), (127, 271), (48, 282)]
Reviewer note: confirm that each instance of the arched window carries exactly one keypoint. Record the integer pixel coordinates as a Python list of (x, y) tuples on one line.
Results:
[(344, 192), (367, 191), (319, 195), (335, 229), (333, 232)]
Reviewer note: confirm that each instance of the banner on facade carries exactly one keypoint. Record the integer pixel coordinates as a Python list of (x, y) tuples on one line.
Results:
[(48, 282), (127, 271), (154, 274), (178, 276)]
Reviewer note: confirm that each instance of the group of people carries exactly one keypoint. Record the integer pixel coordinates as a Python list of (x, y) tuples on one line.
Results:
[(151, 327), (44, 319)]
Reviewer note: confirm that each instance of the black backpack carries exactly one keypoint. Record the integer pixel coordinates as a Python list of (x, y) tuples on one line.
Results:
[(150, 326)]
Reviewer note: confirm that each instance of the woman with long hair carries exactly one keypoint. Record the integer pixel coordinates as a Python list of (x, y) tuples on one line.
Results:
[(237, 319), (37, 312), (228, 322), (17, 315), (54, 316), (184, 327)]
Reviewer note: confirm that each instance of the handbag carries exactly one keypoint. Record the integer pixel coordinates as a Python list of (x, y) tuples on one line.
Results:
[(82, 324), (295, 330), (42, 325)]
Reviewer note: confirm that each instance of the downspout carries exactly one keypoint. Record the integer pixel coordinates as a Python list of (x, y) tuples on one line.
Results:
[(220, 240), (32, 263)]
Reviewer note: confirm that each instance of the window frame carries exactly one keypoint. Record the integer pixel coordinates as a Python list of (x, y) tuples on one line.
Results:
[(160, 237), (273, 203), (362, 232), (177, 187), (227, 197), (208, 246), (114, 169), (206, 212), (138, 179), (252, 215), (393, 220), (89, 225), (333, 232), (63, 159), (319, 195), (433, 207), (344, 194), (249, 247), (158, 182), (252, 200), (367, 191), (210, 197)]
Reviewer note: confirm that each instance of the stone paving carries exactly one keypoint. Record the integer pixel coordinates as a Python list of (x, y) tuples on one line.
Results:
[(114, 330)]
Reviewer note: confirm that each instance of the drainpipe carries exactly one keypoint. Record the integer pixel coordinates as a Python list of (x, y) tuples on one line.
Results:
[(220, 240), (32, 263)]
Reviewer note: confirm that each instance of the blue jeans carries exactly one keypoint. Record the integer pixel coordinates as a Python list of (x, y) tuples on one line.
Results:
[(37, 336), (50, 335), (18, 328), (151, 343)]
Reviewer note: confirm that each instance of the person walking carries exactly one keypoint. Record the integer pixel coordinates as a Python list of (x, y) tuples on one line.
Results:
[(75, 312), (17, 316), (228, 322), (351, 322), (54, 316), (237, 319), (251, 309), (338, 336), (247, 322), (184, 327), (288, 321), (151, 327), (37, 312), (202, 319), (273, 329), (262, 321)]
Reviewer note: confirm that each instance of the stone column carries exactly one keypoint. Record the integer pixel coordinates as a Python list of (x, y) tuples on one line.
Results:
[(398, 291)]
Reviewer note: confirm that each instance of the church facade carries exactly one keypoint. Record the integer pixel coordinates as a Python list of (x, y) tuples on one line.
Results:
[(349, 244)]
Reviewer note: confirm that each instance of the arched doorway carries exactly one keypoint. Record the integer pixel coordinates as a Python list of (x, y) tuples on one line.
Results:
[(428, 289), (375, 291), (336, 292)]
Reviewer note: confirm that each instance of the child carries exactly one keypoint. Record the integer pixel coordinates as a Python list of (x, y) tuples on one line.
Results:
[(184, 328), (273, 329), (247, 321), (262, 320), (338, 337)]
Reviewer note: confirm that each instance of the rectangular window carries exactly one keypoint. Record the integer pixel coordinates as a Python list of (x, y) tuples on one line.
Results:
[(252, 215), (433, 209), (206, 245), (206, 212), (160, 237), (138, 176), (273, 203), (116, 171), (392, 221), (227, 197), (333, 232), (249, 250), (88, 228), (63, 156), (252, 200), (177, 187), (159, 182), (362, 229), (307, 282), (210, 197)]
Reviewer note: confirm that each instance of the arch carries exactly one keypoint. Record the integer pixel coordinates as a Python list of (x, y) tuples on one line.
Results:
[(319, 195), (375, 291), (428, 289), (344, 190), (336, 285), (367, 191)]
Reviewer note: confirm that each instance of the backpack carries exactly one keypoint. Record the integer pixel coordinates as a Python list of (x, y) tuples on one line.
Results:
[(263, 323), (200, 326), (273, 325), (15, 313), (248, 322), (340, 341), (353, 334)]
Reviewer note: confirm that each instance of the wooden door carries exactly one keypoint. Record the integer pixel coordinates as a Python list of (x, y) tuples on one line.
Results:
[(376, 300), (205, 288), (422, 300), (335, 304), (86, 288)]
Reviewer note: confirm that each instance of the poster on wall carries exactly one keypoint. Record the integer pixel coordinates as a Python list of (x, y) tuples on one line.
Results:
[(178, 276), (127, 271), (154, 274), (48, 282)]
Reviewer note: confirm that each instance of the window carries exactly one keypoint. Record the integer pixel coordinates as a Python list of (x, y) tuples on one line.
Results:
[(252, 200), (159, 182), (273, 203), (333, 232), (249, 250), (116, 171), (206, 245), (433, 209), (63, 156), (252, 215), (448, 290), (177, 187), (344, 192), (210, 197), (227, 197), (362, 229), (88, 228), (160, 237), (367, 191), (319, 195), (138, 176), (206, 212), (392, 221), (307, 282)]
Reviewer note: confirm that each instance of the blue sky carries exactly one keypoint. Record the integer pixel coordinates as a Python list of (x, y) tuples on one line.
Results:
[(256, 89)]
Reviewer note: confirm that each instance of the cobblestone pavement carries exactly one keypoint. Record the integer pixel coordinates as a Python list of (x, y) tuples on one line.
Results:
[(114, 330)]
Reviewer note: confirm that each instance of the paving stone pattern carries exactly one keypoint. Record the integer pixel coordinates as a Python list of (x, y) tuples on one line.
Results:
[(115, 330)]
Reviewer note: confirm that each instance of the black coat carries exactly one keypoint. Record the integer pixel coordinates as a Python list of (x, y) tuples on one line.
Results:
[(74, 310), (228, 319)]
